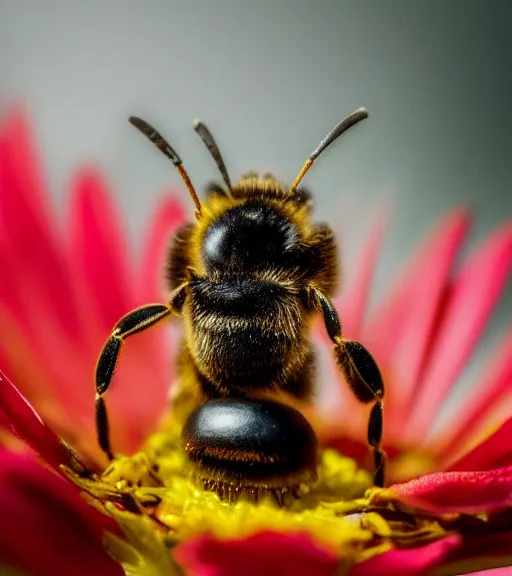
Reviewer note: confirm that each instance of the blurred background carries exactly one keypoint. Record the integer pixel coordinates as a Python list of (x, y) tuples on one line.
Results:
[(270, 78)]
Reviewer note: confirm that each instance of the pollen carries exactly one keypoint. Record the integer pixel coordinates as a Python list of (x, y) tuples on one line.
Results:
[(157, 492)]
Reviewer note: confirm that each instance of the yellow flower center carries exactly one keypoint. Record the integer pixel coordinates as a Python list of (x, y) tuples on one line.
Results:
[(156, 492), (410, 464)]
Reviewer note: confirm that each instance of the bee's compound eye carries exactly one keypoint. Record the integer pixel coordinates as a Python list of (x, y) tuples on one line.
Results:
[(251, 443)]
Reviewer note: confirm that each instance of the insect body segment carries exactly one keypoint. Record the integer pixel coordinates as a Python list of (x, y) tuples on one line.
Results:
[(239, 444), (248, 277)]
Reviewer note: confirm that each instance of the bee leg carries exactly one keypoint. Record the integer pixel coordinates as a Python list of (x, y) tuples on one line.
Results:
[(135, 321), (364, 378)]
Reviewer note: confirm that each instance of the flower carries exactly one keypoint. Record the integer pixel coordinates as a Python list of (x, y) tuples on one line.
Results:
[(422, 336), (60, 292), (448, 510)]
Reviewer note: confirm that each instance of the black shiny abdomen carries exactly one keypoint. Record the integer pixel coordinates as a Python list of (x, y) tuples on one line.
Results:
[(255, 441), (248, 237)]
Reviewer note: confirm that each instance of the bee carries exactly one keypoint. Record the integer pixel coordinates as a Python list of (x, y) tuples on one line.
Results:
[(248, 277)]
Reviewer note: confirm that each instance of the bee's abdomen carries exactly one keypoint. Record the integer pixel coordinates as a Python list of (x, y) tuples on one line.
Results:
[(246, 332)]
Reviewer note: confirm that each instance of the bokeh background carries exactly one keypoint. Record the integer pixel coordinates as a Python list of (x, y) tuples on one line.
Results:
[(270, 78)]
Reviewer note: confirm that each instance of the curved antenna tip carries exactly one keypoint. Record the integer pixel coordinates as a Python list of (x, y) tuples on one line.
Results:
[(334, 134), (208, 140)]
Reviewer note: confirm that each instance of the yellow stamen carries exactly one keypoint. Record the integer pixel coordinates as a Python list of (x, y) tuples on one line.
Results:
[(159, 500)]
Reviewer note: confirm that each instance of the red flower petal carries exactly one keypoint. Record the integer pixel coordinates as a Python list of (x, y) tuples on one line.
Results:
[(383, 331), (479, 407), (353, 302), (10, 295), (474, 293), (99, 247), (419, 325), (28, 425), (478, 553), (495, 452), (268, 553), (37, 288), (351, 306), (453, 555), (412, 562), (459, 491), (46, 528), (393, 328), (29, 225), (31, 360)]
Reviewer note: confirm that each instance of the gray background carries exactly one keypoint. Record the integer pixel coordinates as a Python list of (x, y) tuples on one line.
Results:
[(270, 78)]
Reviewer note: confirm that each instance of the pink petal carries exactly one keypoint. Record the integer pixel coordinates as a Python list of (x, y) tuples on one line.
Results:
[(32, 382), (495, 452), (450, 556), (268, 553), (384, 329), (419, 326), (95, 285), (4, 421), (36, 288), (333, 394), (412, 562), (28, 224), (10, 295), (479, 408), (459, 491), (46, 528), (353, 302), (138, 397), (98, 245), (168, 216), (473, 295), (31, 360), (478, 553), (394, 327), (134, 408), (28, 425), (146, 366), (70, 413)]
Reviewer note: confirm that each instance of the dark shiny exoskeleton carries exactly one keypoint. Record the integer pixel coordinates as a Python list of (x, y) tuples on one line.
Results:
[(219, 435), (247, 278), (249, 238)]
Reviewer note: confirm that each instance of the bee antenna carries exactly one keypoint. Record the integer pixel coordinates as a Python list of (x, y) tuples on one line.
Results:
[(210, 143), (161, 143), (334, 134)]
